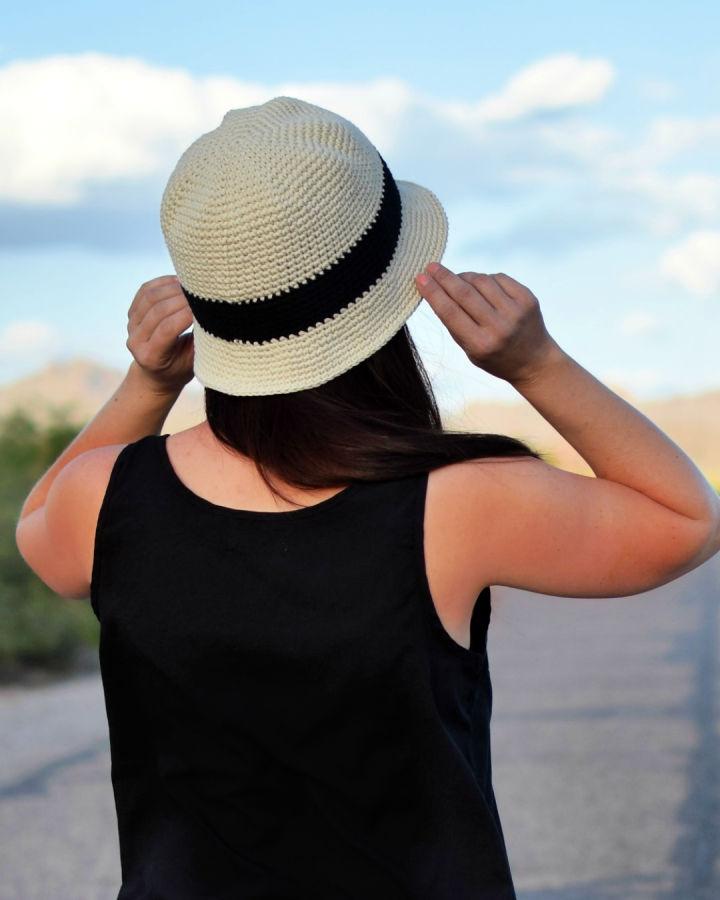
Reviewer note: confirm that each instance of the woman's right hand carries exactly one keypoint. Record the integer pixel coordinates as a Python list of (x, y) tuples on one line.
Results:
[(495, 319)]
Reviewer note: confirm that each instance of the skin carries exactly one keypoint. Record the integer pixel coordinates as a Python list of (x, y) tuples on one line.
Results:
[(647, 517), (636, 525), (56, 527)]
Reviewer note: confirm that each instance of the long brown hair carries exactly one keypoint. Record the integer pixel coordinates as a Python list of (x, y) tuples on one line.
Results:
[(379, 420)]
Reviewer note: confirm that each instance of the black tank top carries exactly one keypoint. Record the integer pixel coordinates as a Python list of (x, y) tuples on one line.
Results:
[(288, 717)]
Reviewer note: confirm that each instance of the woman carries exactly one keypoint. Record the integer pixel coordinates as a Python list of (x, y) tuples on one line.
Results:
[(297, 689)]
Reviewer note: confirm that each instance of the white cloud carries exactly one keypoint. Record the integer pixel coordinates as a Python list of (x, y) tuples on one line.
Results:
[(71, 120), (668, 136), (77, 126), (694, 263), (26, 337), (674, 199), (627, 175), (656, 89), (638, 323), (559, 82), (581, 141)]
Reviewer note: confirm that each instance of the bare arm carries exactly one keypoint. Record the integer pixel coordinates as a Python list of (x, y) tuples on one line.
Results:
[(616, 440), (148, 392), (648, 516)]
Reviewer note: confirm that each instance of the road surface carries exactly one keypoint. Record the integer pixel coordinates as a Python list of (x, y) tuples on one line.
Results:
[(606, 755)]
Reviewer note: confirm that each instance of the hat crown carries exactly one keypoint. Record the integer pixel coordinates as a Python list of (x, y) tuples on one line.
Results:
[(274, 195)]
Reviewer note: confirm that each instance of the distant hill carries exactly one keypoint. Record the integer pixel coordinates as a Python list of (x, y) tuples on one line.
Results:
[(691, 420), (79, 387)]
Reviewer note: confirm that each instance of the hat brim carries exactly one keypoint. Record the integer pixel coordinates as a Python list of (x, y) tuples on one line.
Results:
[(328, 349)]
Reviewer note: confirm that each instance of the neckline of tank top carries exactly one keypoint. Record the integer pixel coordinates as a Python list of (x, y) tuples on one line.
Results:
[(282, 515)]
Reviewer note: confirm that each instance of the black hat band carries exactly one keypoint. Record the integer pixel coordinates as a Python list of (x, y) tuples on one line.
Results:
[(304, 306)]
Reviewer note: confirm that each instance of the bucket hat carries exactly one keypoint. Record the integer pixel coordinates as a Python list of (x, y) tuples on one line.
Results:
[(295, 246)]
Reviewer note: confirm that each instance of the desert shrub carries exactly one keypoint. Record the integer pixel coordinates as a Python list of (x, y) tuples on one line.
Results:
[(37, 627)]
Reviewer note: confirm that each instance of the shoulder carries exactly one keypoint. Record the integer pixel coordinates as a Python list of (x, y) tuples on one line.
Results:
[(79, 487), (484, 480), (100, 460), (57, 539), (465, 501), (472, 503), (77, 493)]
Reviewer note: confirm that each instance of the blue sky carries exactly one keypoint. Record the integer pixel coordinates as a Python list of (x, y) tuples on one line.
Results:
[(573, 145)]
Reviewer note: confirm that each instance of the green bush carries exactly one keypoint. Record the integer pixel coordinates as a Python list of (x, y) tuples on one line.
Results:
[(37, 627)]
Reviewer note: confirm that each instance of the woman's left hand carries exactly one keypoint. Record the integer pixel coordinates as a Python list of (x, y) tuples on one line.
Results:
[(156, 319)]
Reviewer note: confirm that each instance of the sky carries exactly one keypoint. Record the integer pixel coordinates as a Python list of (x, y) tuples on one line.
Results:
[(574, 146)]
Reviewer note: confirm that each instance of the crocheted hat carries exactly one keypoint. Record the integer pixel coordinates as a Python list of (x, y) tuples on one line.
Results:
[(296, 248)]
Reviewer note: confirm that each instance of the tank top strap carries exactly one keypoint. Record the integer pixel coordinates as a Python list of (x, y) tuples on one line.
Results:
[(136, 465), (136, 461), (144, 484), (281, 681)]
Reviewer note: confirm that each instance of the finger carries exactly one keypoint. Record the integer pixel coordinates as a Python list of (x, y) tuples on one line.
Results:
[(160, 280), (148, 298), (149, 287), (464, 294), (511, 287), (170, 327), (462, 326), (142, 327), (147, 295), (489, 288), (152, 348)]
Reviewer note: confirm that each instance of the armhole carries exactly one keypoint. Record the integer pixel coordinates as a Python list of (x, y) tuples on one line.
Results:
[(481, 609), (99, 528)]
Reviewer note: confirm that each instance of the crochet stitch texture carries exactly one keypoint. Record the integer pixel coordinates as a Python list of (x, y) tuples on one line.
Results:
[(295, 246)]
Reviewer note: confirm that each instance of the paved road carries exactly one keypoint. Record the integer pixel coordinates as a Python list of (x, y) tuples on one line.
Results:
[(606, 755)]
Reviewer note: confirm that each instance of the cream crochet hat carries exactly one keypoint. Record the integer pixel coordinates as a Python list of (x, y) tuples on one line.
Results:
[(296, 248)]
